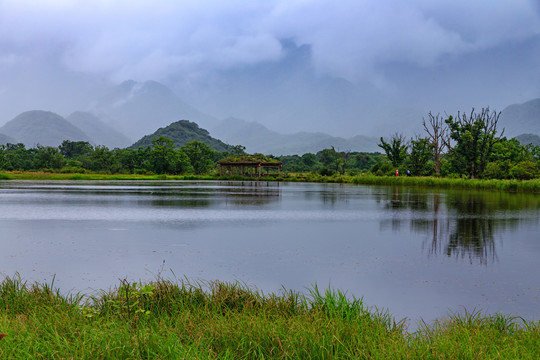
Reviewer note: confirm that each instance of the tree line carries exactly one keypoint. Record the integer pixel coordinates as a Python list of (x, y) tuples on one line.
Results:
[(469, 145), (162, 157)]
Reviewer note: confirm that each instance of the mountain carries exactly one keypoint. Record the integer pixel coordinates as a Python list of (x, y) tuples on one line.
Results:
[(182, 132), (97, 130), (4, 139), (525, 139), (259, 139), (42, 127), (521, 118), (137, 108), (290, 95)]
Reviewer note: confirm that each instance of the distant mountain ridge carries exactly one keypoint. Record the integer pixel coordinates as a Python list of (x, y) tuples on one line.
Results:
[(98, 131), (521, 118), (259, 139), (38, 127), (526, 139), (181, 132), (4, 139)]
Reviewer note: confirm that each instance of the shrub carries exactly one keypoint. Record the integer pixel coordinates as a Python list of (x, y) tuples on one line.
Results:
[(524, 170)]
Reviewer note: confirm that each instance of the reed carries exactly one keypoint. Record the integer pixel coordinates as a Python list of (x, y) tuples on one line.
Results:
[(179, 319), (450, 183)]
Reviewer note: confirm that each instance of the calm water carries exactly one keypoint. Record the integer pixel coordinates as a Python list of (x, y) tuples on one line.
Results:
[(418, 253)]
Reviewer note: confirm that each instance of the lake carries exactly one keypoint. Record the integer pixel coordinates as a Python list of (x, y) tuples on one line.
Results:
[(419, 253)]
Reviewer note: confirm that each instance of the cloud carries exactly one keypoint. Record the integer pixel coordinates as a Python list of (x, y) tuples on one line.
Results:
[(350, 38)]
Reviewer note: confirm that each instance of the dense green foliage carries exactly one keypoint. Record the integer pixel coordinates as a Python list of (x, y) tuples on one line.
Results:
[(329, 162), (165, 319), (80, 157)]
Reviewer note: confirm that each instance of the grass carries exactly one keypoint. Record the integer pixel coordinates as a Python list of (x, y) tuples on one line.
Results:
[(363, 179), (40, 175), (170, 320)]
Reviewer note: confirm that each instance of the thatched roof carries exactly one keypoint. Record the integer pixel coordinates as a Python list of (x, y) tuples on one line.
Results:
[(250, 160)]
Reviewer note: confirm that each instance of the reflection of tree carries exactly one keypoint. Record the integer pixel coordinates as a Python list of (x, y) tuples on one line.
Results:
[(473, 238), (460, 224), (334, 195), (473, 232)]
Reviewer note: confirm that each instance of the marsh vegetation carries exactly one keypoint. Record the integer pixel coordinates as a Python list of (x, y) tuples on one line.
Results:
[(178, 319)]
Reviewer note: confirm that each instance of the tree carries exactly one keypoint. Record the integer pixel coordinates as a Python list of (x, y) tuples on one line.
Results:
[(101, 159), (438, 136), (73, 149), (474, 135), (419, 160), (328, 158), (396, 149), (343, 159), (48, 157), (17, 157), (200, 155), (4, 163), (163, 155), (238, 150)]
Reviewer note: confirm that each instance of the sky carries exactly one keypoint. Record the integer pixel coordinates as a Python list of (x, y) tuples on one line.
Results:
[(442, 55)]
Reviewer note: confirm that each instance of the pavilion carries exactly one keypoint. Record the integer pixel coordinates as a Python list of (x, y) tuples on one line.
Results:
[(250, 165)]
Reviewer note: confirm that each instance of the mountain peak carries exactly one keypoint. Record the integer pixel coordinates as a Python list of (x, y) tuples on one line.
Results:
[(43, 128), (181, 132)]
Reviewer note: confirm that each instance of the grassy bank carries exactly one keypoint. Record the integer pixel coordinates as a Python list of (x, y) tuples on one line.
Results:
[(38, 175), (532, 186), (164, 319)]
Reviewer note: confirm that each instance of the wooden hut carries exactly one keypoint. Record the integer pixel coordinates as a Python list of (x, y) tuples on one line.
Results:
[(250, 165)]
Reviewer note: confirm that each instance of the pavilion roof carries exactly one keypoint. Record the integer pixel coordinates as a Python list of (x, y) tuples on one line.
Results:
[(249, 160)]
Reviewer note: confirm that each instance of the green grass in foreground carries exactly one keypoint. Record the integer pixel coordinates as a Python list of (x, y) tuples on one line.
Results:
[(172, 320)]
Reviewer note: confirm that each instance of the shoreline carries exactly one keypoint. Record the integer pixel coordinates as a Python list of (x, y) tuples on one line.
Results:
[(528, 186)]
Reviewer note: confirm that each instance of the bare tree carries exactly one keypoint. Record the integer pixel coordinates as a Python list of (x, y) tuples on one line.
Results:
[(437, 131)]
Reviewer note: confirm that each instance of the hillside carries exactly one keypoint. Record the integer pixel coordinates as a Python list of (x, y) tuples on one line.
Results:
[(42, 127), (98, 131), (182, 132), (521, 118), (4, 139), (136, 108), (259, 139), (526, 139)]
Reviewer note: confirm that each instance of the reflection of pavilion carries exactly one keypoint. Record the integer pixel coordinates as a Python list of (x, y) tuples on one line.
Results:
[(250, 165)]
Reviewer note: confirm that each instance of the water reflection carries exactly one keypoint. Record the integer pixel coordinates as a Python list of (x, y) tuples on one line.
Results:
[(143, 193), (459, 224)]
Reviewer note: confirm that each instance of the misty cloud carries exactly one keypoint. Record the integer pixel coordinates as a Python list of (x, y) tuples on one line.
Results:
[(52, 44), (141, 39)]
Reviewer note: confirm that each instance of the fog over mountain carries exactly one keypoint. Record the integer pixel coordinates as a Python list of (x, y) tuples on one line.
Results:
[(98, 131), (347, 68)]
